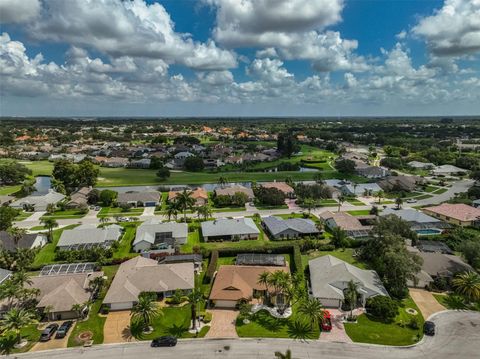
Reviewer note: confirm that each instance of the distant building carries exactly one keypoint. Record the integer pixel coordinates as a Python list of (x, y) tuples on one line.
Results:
[(281, 186), (456, 213), (351, 224), (39, 202), (448, 170), (198, 194), (279, 228), (401, 183), (420, 165), (231, 190), (87, 237), (229, 229), (167, 236), (79, 198), (139, 199)]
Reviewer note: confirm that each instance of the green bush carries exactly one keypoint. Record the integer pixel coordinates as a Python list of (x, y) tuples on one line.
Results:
[(212, 266), (382, 308), (207, 318)]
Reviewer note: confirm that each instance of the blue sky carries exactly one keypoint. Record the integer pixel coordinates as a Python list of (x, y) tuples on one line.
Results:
[(220, 58)]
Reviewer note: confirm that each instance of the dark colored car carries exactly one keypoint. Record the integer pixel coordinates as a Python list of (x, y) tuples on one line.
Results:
[(429, 328), (47, 333), (63, 330), (166, 341)]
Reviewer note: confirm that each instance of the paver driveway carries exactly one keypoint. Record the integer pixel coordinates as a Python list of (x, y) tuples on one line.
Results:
[(426, 302), (222, 324), (53, 343), (117, 328)]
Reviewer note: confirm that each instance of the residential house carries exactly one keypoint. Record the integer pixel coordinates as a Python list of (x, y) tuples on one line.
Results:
[(417, 220), (279, 228), (433, 247), (234, 284), (59, 293), (456, 213), (38, 201), (198, 194), (142, 163), (229, 229), (141, 274), (234, 160), (357, 227), (360, 189), (212, 163), (139, 199), (329, 278), (281, 186), (448, 170), (180, 157), (372, 171), (89, 236), (260, 259), (28, 241), (112, 162), (79, 198), (420, 165), (194, 258), (166, 236), (400, 183), (231, 190)]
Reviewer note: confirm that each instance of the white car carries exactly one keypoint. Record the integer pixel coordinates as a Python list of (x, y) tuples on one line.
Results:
[(411, 200)]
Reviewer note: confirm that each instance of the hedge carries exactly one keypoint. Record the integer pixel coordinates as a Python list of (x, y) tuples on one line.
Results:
[(212, 266)]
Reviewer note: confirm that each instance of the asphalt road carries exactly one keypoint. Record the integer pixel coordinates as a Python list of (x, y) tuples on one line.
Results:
[(458, 336)]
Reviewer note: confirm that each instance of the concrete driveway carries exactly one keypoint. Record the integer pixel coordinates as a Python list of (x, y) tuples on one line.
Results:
[(148, 212), (222, 324), (426, 302), (53, 343), (117, 328), (338, 333)]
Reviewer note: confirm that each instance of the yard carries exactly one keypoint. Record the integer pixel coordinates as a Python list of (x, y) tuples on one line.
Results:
[(30, 333), (369, 330), (125, 244), (345, 255), (66, 214), (46, 255), (263, 325), (9, 190), (117, 211)]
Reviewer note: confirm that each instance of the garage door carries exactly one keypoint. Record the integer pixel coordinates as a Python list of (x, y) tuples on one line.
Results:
[(150, 204), (330, 303), (121, 306), (225, 304)]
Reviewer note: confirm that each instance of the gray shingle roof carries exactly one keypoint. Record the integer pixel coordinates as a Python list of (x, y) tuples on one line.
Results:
[(6, 241), (229, 227), (90, 236), (277, 225), (138, 197), (410, 215), (329, 276), (147, 230), (4, 274)]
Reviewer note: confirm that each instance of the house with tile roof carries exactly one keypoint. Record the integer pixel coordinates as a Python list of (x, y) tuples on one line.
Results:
[(198, 194), (351, 224), (455, 213)]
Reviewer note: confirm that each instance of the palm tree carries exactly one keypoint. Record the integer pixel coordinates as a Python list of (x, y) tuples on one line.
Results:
[(185, 202), (287, 355), (146, 309), (203, 211), (222, 181), (398, 202), (172, 210), (339, 237), (104, 220), (16, 319), (51, 208), (17, 234), (78, 308), (21, 278), (195, 297), (309, 204), (351, 295), (468, 285), (341, 200), (263, 279), (313, 310), (355, 185), (380, 195), (96, 284), (49, 224)]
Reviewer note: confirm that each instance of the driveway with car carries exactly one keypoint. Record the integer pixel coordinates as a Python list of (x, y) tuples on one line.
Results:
[(426, 302), (53, 343), (223, 324), (117, 328)]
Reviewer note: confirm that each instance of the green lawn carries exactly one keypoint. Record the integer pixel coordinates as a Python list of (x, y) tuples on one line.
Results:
[(346, 255), (8, 190), (30, 333), (23, 215), (355, 202), (361, 212), (46, 255), (95, 322), (113, 211), (125, 244), (175, 321), (327, 203), (263, 325), (193, 239), (431, 188), (368, 330), (440, 191), (68, 213)]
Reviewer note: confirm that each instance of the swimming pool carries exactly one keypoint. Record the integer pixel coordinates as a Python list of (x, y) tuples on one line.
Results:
[(428, 232)]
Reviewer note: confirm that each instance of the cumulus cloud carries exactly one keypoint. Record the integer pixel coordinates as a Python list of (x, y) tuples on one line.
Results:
[(453, 30), (127, 28), (18, 11)]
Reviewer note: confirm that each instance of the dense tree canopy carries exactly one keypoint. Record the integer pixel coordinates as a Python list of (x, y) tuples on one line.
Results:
[(12, 173)]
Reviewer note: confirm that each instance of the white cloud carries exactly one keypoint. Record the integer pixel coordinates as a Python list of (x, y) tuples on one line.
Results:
[(270, 71), (453, 30), (268, 52), (126, 28), (18, 11)]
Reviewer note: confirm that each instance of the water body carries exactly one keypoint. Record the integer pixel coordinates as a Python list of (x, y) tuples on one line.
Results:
[(42, 184)]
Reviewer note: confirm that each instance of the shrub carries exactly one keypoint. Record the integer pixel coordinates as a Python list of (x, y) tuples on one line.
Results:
[(413, 323), (381, 307), (207, 318), (297, 259), (212, 266)]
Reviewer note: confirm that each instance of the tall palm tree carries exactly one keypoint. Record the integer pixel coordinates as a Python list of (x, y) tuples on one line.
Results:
[(185, 202), (17, 234), (194, 298), (222, 181), (468, 285), (287, 355), (313, 310), (51, 208), (16, 319), (21, 278), (203, 211), (172, 210), (398, 202), (341, 199), (146, 309), (263, 279), (351, 294), (380, 195), (104, 220), (309, 204), (355, 185), (339, 237), (49, 224)]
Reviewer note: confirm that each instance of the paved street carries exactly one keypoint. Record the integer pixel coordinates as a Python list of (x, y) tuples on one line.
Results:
[(458, 336)]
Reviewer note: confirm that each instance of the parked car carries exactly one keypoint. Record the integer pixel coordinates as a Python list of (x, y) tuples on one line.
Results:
[(63, 330), (411, 200), (327, 322), (167, 341), (429, 328), (47, 333), (98, 208)]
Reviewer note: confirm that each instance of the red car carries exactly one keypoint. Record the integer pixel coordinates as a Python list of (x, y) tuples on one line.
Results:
[(327, 322)]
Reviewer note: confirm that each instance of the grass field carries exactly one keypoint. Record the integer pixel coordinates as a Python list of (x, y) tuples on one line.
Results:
[(46, 255), (66, 214), (112, 211), (369, 330), (125, 244), (362, 212), (8, 190)]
